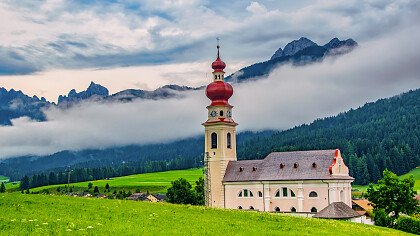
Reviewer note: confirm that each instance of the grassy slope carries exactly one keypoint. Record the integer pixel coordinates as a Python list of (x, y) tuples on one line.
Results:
[(152, 182), (415, 173), (24, 214), (3, 178)]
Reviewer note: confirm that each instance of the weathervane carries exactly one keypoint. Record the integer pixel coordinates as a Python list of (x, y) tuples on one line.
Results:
[(218, 46)]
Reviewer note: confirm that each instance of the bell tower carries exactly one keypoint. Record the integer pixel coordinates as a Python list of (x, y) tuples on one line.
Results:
[(220, 135)]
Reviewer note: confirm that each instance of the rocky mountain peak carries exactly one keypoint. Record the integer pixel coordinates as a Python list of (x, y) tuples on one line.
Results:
[(336, 43), (94, 90), (297, 45), (278, 53)]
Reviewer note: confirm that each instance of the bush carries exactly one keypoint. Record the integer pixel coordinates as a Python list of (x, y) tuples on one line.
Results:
[(408, 224), (381, 218)]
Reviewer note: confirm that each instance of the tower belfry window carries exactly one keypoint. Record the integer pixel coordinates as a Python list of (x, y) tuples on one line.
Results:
[(213, 140), (229, 140)]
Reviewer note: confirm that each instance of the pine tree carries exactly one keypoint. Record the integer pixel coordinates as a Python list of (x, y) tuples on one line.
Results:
[(2, 188), (24, 183)]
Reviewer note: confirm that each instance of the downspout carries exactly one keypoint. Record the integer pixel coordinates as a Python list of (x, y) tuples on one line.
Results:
[(263, 198), (263, 195), (224, 195), (328, 191)]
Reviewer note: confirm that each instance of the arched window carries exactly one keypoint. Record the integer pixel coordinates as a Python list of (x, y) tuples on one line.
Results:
[(251, 208), (277, 209), (293, 209), (213, 140), (284, 192), (313, 194), (239, 207), (229, 140), (314, 210), (259, 194), (221, 113), (245, 193), (341, 196)]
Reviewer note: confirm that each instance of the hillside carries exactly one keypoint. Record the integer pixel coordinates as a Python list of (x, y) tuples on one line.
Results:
[(379, 135), (359, 189), (157, 182), (24, 214)]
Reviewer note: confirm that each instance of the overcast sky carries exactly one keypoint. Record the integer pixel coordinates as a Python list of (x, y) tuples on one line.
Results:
[(53, 46), (49, 47)]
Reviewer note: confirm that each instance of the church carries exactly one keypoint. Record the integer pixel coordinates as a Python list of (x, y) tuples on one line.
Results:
[(294, 182)]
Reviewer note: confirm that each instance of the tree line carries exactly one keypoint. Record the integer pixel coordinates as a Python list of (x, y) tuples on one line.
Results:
[(91, 174)]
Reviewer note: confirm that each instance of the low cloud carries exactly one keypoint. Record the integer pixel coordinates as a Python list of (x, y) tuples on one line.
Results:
[(289, 96)]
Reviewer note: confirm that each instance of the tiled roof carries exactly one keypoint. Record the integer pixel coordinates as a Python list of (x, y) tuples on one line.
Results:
[(284, 166), (363, 203), (337, 210)]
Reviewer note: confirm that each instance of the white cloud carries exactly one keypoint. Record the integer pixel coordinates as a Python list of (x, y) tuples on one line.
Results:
[(256, 8), (290, 96)]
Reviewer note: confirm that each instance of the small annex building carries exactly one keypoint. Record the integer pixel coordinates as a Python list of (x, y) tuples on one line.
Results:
[(339, 211), (301, 182)]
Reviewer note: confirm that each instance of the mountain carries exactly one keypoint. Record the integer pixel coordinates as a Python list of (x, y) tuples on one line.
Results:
[(15, 104), (293, 47), (93, 91), (167, 91), (379, 135), (298, 52)]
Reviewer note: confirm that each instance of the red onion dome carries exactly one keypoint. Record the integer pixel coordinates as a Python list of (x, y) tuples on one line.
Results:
[(219, 93), (218, 65)]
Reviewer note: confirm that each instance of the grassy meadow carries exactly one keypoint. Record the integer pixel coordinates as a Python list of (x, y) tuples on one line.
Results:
[(157, 182), (29, 214), (359, 189)]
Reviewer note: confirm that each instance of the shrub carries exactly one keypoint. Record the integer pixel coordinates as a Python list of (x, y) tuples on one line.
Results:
[(408, 224), (381, 218)]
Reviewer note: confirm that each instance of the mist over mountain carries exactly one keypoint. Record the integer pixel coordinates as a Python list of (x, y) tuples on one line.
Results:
[(298, 52), (378, 135), (15, 104)]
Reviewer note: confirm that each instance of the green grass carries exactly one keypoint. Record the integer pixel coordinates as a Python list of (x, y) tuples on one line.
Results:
[(28, 214), (153, 182), (414, 172), (4, 178)]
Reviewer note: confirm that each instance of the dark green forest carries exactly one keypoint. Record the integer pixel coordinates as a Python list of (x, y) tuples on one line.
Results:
[(378, 135)]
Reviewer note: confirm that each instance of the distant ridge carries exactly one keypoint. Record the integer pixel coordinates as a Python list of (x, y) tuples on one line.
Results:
[(299, 52)]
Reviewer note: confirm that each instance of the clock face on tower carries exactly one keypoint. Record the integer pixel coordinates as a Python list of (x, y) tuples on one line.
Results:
[(229, 113), (213, 113)]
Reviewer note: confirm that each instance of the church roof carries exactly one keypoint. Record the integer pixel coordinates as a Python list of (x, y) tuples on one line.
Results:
[(300, 165), (337, 210)]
